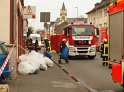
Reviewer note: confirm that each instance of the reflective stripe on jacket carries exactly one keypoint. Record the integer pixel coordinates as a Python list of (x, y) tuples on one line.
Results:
[(105, 50)]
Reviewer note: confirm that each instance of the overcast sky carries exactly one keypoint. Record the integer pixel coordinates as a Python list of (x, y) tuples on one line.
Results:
[(54, 7)]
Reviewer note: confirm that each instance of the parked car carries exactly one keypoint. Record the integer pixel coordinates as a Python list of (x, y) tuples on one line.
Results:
[(3, 56)]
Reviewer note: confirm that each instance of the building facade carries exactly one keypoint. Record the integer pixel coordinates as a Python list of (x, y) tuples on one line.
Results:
[(11, 23), (11, 30), (5, 21), (98, 16)]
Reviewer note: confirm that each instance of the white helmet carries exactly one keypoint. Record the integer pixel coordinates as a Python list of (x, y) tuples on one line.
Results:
[(105, 40), (63, 39), (45, 37)]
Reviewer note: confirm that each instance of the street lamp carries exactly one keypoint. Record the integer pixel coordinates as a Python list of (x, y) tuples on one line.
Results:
[(77, 12)]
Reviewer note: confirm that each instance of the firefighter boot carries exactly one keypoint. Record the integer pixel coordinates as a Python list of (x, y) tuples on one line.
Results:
[(59, 61), (106, 63), (103, 63), (67, 61)]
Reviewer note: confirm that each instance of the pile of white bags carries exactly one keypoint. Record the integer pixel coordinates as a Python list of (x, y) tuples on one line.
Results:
[(32, 62)]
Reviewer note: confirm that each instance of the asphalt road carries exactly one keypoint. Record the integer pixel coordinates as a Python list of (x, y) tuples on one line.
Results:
[(91, 74)]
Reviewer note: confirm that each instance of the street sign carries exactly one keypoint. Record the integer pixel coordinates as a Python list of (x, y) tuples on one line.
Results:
[(45, 17), (29, 12)]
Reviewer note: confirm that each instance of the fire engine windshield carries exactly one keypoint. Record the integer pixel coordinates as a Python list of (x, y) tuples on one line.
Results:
[(82, 30)]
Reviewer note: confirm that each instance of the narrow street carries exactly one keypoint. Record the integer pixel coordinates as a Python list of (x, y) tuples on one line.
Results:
[(92, 74)]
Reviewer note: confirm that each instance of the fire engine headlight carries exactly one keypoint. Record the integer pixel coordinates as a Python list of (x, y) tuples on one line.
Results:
[(72, 48), (92, 48), (89, 42)]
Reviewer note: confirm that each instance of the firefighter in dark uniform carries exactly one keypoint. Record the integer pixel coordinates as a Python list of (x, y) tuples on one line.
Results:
[(62, 45), (102, 48), (47, 44), (29, 44), (104, 52), (36, 45)]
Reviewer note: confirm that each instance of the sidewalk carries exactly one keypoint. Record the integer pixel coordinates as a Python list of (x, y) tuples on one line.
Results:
[(52, 80)]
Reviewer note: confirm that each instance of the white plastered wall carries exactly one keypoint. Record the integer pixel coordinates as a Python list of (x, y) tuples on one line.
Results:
[(5, 21)]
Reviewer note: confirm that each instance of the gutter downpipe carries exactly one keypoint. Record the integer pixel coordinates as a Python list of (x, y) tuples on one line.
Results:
[(14, 27), (15, 31)]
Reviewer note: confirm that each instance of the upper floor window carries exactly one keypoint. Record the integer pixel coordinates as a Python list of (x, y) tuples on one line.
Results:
[(97, 15), (105, 12), (100, 14), (105, 24), (100, 25), (89, 17)]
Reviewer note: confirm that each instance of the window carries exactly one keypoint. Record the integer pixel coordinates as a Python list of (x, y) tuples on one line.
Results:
[(96, 15), (105, 24), (100, 25), (105, 12), (100, 14), (82, 30), (89, 17), (3, 49), (94, 21)]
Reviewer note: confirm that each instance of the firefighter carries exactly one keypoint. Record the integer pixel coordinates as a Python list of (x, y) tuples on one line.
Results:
[(29, 43), (104, 52), (36, 45), (62, 45), (102, 48), (47, 44)]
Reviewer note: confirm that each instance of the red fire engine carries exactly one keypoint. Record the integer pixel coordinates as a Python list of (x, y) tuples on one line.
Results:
[(103, 34), (116, 40), (80, 38)]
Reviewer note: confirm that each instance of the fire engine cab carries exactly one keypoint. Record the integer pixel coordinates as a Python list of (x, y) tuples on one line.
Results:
[(80, 38)]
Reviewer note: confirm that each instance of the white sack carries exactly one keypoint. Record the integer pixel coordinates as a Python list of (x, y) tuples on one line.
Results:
[(43, 65), (25, 68), (49, 62), (23, 57), (36, 59), (39, 55)]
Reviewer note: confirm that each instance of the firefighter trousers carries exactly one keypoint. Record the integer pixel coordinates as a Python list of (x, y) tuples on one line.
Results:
[(104, 60)]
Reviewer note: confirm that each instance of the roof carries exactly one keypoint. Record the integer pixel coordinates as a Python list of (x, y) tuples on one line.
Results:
[(70, 20), (100, 5), (84, 24), (1, 42)]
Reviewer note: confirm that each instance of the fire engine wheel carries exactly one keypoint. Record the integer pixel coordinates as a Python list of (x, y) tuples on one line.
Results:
[(91, 57)]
